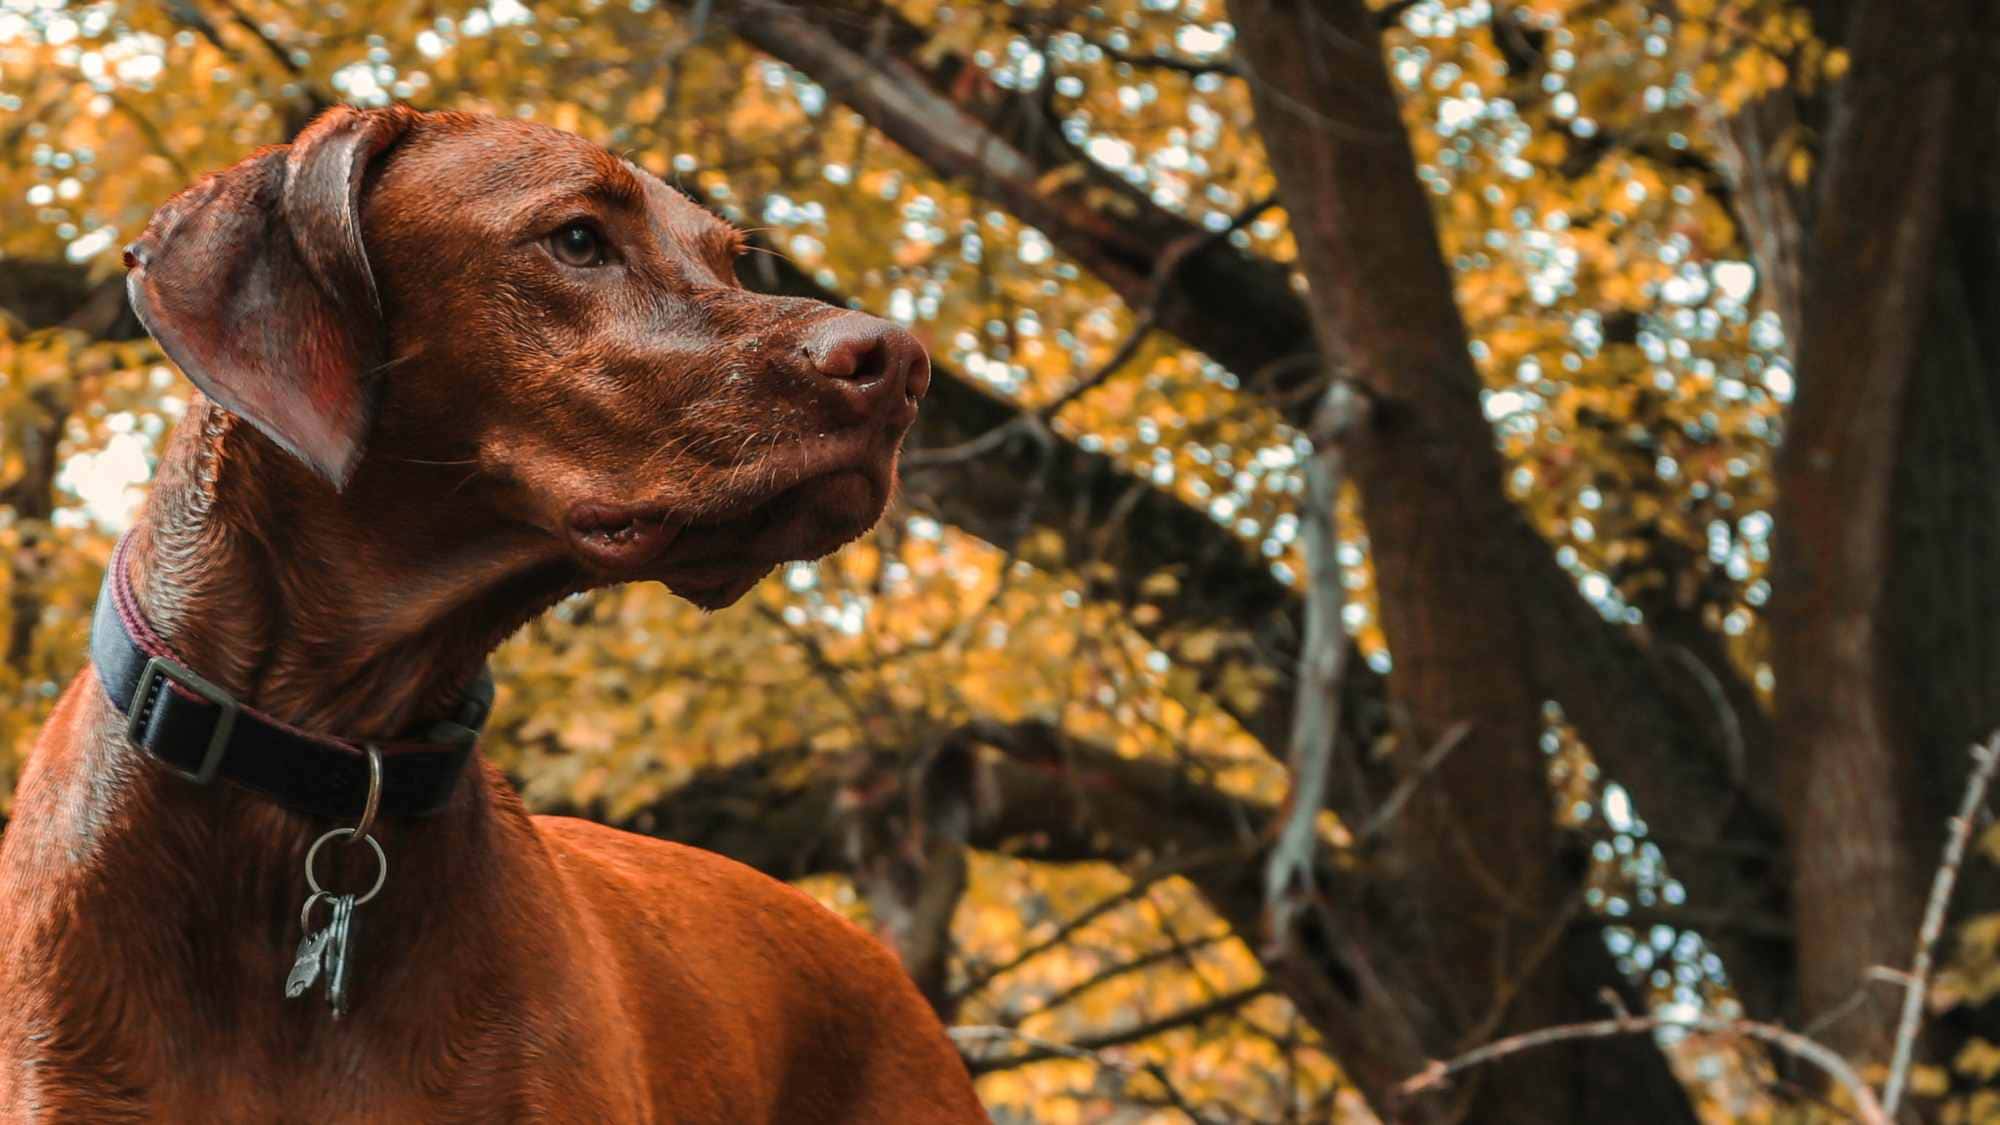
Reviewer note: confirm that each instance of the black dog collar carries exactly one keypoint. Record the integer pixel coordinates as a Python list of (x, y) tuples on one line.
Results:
[(201, 732)]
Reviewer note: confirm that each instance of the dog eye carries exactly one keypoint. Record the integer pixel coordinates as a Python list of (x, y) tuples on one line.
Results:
[(577, 245)]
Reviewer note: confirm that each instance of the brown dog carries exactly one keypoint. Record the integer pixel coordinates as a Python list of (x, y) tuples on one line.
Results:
[(455, 368)]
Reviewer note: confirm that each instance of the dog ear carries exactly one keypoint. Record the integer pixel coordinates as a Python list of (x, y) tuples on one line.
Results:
[(255, 282)]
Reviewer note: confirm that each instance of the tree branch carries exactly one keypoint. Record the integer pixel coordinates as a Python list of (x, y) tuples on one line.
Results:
[(1178, 951), (1984, 758), (1137, 889), (1091, 1045), (1867, 1109), (1322, 665), (1052, 1049)]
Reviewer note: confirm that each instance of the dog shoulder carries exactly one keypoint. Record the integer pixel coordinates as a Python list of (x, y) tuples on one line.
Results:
[(661, 873), (862, 1034), (700, 902)]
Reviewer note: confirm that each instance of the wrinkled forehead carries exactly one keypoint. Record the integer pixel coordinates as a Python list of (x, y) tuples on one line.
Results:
[(506, 175)]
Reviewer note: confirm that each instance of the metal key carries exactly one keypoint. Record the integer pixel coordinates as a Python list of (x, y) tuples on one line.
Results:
[(331, 951), (312, 952), (339, 952)]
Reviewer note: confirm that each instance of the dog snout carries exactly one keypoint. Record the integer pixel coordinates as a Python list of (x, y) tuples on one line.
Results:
[(872, 360)]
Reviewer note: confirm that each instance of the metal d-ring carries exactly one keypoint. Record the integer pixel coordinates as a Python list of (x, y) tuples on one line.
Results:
[(381, 861), (367, 824)]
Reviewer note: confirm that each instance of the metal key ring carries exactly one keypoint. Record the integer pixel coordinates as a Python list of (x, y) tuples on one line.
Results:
[(305, 912), (381, 860), (367, 825)]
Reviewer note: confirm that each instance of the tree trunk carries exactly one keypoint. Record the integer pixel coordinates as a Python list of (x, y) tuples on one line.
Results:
[(1460, 575), (1885, 353), (1944, 607), (1943, 611)]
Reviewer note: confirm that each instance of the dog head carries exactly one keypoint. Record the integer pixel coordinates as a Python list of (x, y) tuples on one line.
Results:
[(395, 290)]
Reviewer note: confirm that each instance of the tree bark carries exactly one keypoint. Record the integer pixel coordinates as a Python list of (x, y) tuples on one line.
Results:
[(1945, 607), (1864, 837)]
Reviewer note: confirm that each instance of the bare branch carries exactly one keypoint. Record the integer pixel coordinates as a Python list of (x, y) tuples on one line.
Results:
[(1322, 665), (1142, 330), (1984, 759), (152, 133), (279, 54), (1054, 1049), (1726, 717), (1177, 951), (1193, 68), (1133, 892), (1407, 788), (1866, 1108), (1187, 1017)]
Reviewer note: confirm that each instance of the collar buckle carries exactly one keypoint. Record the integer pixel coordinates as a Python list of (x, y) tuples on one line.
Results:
[(180, 675)]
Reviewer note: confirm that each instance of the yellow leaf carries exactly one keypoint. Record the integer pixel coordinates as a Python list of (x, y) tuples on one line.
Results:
[(1929, 1081), (1059, 179), (1798, 167), (1201, 647), (1978, 1059)]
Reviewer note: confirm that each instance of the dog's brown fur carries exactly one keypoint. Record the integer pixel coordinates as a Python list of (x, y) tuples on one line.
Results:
[(429, 410)]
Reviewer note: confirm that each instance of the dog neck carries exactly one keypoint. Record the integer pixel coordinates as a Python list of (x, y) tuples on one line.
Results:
[(270, 584), (296, 599)]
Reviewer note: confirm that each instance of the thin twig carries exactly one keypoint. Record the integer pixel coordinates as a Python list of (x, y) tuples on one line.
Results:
[(1036, 421), (1732, 725), (1132, 892), (153, 135), (1866, 1108), (1407, 788), (830, 670), (1049, 1048), (1141, 330), (1186, 1017), (1519, 974), (275, 49), (1161, 60), (1863, 994), (1177, 951), (1984, 758)]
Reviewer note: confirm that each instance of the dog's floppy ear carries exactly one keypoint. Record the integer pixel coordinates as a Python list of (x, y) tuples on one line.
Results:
[(256, 283)]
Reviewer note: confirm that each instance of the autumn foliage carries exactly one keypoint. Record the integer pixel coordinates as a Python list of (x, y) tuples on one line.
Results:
[(1037, 730)]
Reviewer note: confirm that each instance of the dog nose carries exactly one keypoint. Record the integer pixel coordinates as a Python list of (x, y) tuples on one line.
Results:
[(873, 358)]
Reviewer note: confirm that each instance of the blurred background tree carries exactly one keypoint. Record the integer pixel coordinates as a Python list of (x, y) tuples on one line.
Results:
[(1347, 603)]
